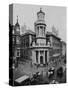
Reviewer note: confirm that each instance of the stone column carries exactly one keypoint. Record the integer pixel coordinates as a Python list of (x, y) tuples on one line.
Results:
[(38, 30), (30, 39), (38, 57), (43, 30), (44, 57), (33, 57), (47, 56)]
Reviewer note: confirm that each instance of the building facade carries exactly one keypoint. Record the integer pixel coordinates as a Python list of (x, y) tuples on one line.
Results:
[(56, 51), (63, 48), (15, 43), (38, 47)]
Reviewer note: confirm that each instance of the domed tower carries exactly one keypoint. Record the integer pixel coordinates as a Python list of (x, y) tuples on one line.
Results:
[(17, 41), (40, 28), (17, 32), (17, 28)]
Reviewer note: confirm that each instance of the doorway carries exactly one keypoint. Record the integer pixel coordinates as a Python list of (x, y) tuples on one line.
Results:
[(41, 59), (46, 57)]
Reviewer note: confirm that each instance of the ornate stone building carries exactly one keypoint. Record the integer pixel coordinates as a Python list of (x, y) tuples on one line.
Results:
[(39, 47), (15, 43)]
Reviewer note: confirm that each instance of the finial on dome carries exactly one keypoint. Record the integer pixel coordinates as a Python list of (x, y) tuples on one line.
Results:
[(17, 18), (40, 9), (17, 23)]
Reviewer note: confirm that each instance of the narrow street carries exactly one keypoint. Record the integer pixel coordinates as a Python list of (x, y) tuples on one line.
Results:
[(26, 69)]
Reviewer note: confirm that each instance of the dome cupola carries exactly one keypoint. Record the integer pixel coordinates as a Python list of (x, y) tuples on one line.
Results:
[(17, 24)]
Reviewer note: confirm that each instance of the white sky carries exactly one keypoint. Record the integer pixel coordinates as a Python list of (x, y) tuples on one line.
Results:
[(27, 14)]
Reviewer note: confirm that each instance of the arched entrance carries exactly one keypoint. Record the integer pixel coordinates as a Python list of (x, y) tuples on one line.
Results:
[(41, 59)]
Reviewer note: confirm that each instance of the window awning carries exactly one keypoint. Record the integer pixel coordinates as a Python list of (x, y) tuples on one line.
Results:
[(56, 55)]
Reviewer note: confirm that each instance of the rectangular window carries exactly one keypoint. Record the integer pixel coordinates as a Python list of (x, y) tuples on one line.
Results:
[(18, 52)]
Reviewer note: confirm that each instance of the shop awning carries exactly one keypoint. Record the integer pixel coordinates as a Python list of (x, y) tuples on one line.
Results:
[(56, 55)]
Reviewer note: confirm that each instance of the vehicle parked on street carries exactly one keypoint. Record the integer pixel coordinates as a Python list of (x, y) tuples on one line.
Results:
[(54, 82), (35, 79), (51, 72)]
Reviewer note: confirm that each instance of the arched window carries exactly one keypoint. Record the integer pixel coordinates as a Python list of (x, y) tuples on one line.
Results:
[(41, 28)]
